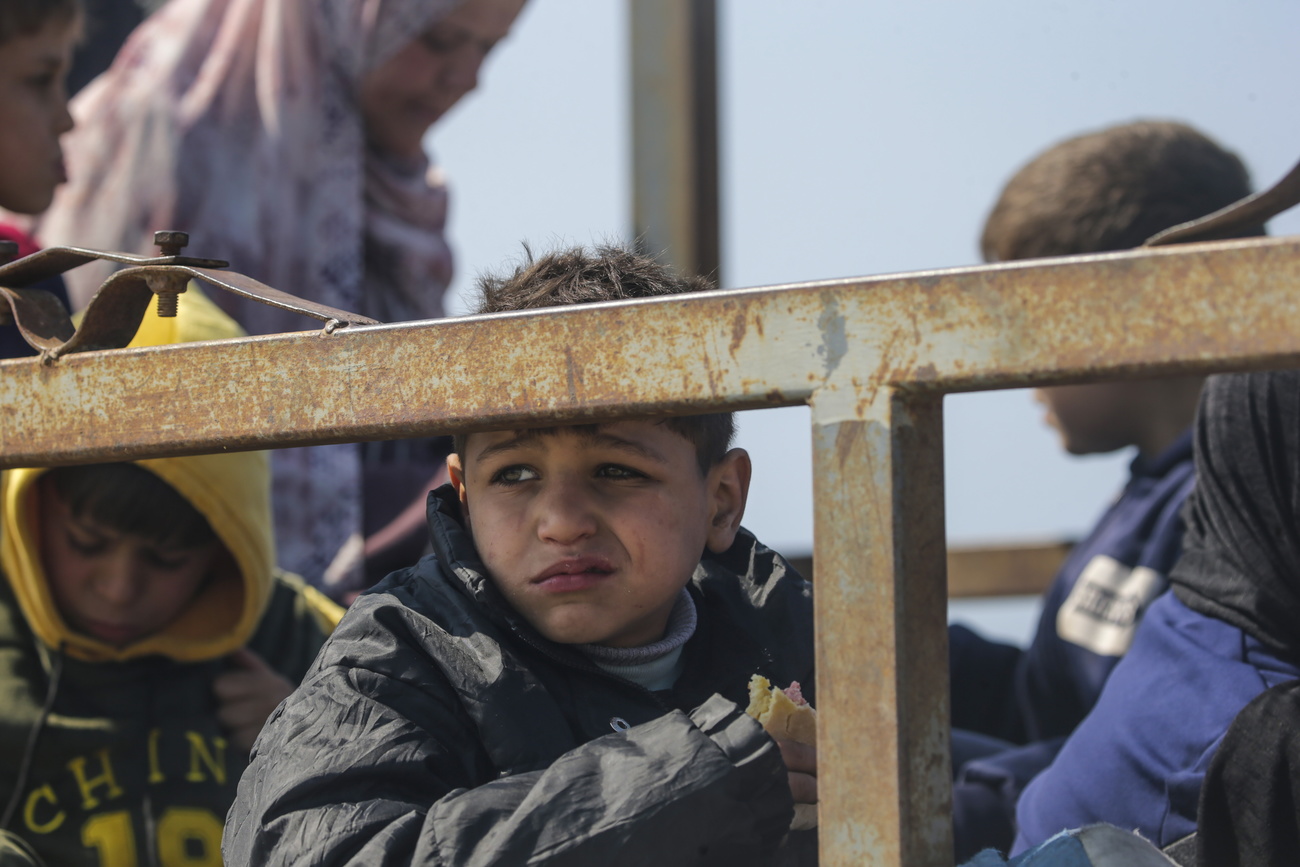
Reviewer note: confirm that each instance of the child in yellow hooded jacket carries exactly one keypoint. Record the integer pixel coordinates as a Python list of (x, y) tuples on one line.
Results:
[(145, 636)]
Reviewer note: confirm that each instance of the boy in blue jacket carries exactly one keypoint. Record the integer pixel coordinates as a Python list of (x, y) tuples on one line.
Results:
[(562, 680), (1012, 709)]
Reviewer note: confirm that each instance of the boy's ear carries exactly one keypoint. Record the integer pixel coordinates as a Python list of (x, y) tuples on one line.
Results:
[(728, 487), (456, 474)]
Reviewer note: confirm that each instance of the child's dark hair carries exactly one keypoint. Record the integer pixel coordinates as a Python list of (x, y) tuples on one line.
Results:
[(26, 17), (605, 273), (1111, 190), (130, 499)]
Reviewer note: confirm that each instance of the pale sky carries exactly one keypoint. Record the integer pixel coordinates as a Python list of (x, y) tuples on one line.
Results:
[(870, 138)]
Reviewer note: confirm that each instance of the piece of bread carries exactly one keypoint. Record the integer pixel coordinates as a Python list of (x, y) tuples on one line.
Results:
[(780, 715), (784, 714)]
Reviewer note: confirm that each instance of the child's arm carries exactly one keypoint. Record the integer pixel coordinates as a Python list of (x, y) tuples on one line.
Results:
[(342, 778)]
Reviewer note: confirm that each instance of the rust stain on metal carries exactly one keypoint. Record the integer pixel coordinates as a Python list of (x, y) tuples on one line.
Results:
[(738, 328)]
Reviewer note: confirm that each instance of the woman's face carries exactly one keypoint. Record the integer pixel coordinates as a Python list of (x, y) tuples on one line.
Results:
[(401, 98)]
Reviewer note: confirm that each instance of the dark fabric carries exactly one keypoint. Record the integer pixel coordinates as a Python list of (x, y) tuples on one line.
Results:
[(1034, 698), (129, 744), (986, 792), (1242, 558), (438, 727), (1249, 812), (394, 475), (982, 681), (1183, 852), (107, 25)]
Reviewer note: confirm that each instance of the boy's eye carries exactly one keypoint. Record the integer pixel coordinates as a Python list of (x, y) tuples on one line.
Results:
[(618, 471), (169, 560), (513, 475), (85, 544), (443, 41)]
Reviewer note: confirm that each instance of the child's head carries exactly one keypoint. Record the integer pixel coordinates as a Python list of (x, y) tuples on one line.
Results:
[(591, 531), (1111, 190), (123, 552), (1104, 191), (36, 41)]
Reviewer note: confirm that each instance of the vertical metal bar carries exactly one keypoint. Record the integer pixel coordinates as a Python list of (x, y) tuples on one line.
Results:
[(675, 132), (883, 754)]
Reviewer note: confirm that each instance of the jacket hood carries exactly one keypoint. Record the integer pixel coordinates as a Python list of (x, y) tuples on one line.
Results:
[(232, 491)]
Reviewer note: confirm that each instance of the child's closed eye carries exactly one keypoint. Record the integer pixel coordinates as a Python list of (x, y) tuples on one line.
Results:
[(167, 560), (42, 82), (85, 544)]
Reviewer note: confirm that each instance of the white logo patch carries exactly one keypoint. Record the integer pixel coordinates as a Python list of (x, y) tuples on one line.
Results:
[(1103, 610)]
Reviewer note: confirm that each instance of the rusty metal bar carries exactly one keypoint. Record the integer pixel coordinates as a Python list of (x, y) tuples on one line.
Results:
[(1228, 304), (884, 774), (675, 132)]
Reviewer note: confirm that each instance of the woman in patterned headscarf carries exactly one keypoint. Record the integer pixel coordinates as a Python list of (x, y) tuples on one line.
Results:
[(286, 136)]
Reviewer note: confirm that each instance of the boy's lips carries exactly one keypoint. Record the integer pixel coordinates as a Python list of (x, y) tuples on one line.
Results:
[(573, 573), (110, 632)]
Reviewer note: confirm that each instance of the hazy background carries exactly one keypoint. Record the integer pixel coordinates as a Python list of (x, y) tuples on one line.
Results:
[(869, 138)]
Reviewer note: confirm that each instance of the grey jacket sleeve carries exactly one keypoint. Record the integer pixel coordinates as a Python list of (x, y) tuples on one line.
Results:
[(362, 784)]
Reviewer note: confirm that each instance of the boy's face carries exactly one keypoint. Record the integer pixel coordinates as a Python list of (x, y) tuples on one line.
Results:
[(33, 114), (591, 535), (115, 586), (1097, 417)]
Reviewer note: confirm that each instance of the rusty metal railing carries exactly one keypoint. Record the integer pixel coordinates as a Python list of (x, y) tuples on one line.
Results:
[(872, 358)]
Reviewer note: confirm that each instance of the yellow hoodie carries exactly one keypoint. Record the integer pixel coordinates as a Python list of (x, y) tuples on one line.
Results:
[(231, 490)]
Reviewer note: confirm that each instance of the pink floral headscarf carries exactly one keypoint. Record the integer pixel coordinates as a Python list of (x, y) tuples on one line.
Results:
[(237, 121)]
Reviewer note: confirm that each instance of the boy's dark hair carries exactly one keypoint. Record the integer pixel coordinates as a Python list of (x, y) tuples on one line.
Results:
[(1111, 190), (130, 499), (605, 273), (25, 17)]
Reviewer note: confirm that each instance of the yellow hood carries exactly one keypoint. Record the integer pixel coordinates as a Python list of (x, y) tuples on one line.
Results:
[(231, 490)]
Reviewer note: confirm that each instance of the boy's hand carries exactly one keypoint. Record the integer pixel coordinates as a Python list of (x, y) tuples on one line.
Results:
[(246, 697), (801, 765)]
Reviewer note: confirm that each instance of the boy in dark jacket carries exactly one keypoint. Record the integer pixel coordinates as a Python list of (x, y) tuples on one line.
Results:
[(1012, 709), (559, 683)]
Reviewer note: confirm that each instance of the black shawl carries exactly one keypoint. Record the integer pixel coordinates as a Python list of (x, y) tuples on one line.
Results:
[(1241, 560)]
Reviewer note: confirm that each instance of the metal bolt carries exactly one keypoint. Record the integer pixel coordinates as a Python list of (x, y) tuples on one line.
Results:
[(167, 304), (8, 251), (166, 285), (171, 243)]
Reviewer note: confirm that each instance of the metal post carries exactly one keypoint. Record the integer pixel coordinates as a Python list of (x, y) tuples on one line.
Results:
[(675, 132), (884, 777)]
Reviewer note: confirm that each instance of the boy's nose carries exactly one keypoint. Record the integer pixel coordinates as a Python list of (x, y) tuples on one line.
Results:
[(118, 581), (64, 122), (566, 515)]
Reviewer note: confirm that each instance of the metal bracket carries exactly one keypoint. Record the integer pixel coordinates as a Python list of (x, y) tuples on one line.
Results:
[(115, 312), (1255, 210)]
